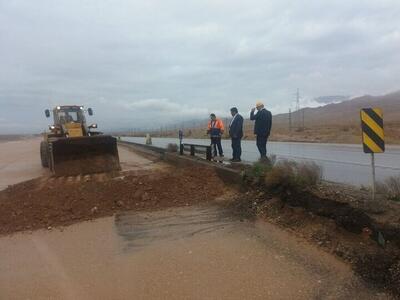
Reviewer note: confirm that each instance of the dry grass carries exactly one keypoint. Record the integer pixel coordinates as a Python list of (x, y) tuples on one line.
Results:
[(256, 173), (390, 188), (172, 147), (283, 175), (293, 176), (347, 133)]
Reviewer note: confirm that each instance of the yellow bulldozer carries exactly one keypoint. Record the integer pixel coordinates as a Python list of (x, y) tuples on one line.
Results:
[(71, 147)]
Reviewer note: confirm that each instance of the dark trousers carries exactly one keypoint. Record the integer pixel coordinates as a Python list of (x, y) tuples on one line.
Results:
[(262, 145), (216, 143), (236, 148)]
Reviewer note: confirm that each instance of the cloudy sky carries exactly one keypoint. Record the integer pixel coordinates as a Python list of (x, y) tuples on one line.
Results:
[(149, 63)]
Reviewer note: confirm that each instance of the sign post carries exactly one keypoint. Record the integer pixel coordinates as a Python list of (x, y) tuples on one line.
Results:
[(373, 175), (180, 142), (373, 137)]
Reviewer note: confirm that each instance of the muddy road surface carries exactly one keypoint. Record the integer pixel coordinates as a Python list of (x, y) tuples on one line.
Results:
[(197, 252), (20, 161), (155, 232)]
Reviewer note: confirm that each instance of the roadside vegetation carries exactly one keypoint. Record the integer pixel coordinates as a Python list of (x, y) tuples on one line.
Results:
[(390, 188), (293, 176), (284, 175), (337, 218), (255, 174), (172, 147)]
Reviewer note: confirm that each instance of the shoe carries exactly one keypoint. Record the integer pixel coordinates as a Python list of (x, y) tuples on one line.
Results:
[(236, 160), (221, 155)]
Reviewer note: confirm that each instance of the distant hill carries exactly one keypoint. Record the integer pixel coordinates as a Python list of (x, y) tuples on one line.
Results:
[(332, 123), (346, 112), (339, 122)]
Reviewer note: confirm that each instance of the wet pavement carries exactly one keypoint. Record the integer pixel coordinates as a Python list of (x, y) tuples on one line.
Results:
[(199, 252), (20, 161), (341, 163)]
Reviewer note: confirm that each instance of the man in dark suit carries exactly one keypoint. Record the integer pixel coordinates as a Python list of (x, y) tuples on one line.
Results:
[(236, 134), (262, 127)]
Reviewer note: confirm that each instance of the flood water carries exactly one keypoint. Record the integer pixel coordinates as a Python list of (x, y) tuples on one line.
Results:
[(181, 253), (340, 163)]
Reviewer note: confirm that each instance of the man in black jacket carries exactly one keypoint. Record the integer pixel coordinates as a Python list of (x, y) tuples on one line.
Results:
[(236, 134), (262, 127)]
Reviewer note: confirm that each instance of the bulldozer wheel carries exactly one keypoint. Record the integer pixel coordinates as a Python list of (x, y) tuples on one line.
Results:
[(44, 154)]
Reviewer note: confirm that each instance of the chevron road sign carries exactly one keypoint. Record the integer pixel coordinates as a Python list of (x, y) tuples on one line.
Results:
[(372, 130), (373, 137)]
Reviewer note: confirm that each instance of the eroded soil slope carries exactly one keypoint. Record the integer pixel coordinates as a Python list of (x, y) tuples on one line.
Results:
[(49, 201)]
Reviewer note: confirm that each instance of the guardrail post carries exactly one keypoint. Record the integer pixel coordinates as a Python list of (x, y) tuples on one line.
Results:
[(208, 153), (192, 150)]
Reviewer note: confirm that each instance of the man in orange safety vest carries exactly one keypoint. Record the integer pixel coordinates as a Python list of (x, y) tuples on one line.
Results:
[(215, 130)]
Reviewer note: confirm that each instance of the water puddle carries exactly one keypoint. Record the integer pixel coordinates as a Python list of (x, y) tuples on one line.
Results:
[(181, 253), (144, 229)]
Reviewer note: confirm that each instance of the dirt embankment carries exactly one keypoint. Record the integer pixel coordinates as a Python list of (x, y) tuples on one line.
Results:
[(366, 236), (48, 202)]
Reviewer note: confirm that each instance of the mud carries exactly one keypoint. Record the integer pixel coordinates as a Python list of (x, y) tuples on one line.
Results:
[(20, 161), (197, 252), (150, 254), (321, 225), (88, 165), (85, 155), (49, 201)]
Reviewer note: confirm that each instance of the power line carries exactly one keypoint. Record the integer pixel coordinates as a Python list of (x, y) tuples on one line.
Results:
[(298, 108)]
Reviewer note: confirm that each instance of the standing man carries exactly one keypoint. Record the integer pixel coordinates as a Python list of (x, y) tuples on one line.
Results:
[(236, 134), (215, 130), (262, 127)]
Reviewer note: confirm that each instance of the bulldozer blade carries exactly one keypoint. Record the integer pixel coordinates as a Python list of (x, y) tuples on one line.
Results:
[(84, 155)]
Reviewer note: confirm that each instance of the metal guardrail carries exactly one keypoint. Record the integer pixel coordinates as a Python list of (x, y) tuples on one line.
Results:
[(194, 148), (144, 146)]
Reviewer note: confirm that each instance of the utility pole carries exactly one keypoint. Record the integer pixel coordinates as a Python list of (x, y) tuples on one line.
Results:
[(290, 119), (298, 107), (303, 117)]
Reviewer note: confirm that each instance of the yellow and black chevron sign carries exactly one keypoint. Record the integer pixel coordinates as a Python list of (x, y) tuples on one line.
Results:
[(372, 130)]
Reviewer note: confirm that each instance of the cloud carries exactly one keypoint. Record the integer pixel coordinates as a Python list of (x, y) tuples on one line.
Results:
[(189, 60), (167, 111), (164, 106)]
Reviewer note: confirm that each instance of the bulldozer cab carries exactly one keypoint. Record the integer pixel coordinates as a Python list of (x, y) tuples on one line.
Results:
[(70, 148), (71, 119)]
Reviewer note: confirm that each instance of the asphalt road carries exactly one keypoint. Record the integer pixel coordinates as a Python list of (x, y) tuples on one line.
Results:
[(340, 163)]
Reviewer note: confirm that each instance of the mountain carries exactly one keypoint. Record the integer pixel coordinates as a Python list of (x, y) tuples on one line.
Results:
[(332, 123), (346, 112)]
